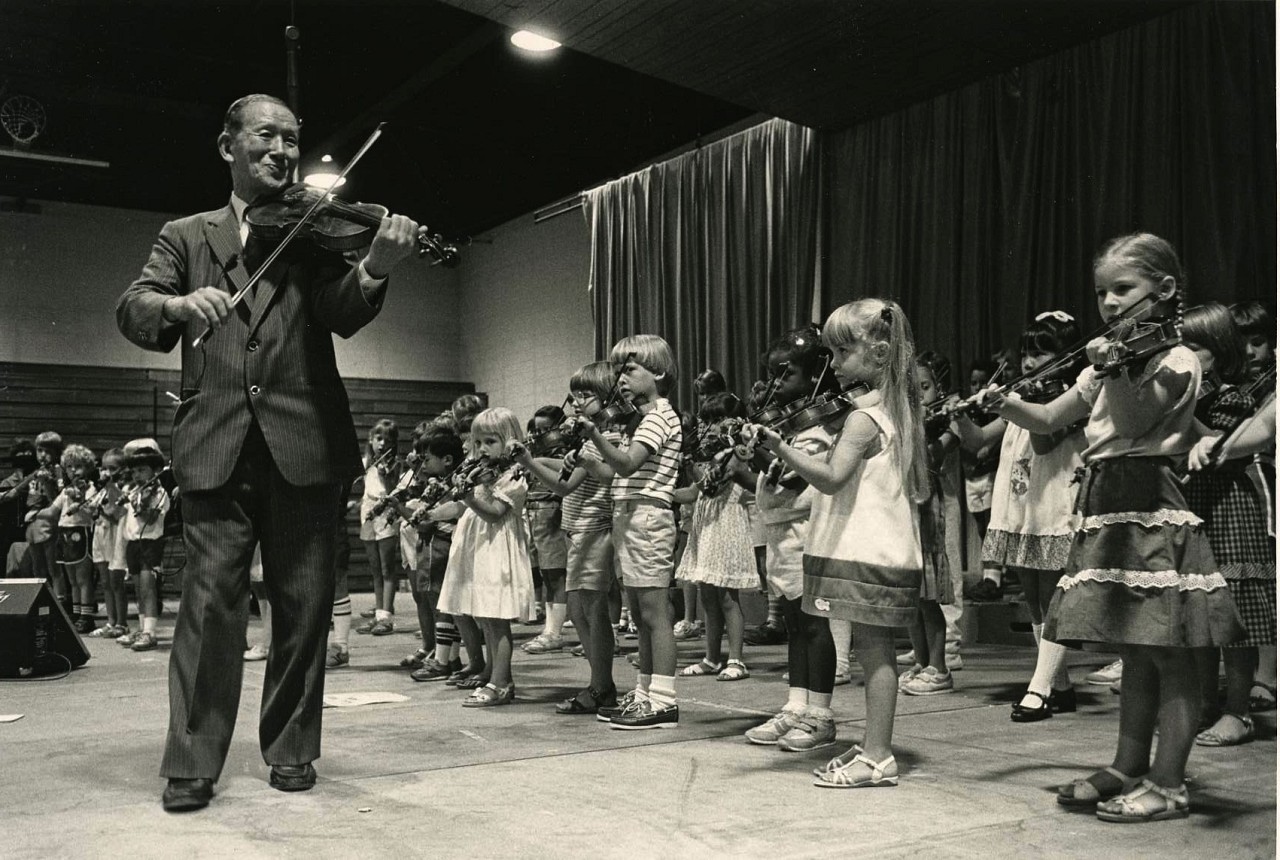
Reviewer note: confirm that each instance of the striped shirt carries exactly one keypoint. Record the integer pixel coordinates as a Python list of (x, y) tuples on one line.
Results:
[(589, 508), (661, 434)]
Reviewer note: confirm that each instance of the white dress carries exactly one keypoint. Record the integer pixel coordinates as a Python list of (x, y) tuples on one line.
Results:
[(489, 575)]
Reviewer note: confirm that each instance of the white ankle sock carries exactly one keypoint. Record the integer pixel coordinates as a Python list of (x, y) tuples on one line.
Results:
[(797, 699)]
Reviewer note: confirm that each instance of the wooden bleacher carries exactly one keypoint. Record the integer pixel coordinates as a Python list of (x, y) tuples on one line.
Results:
[(105, 407)]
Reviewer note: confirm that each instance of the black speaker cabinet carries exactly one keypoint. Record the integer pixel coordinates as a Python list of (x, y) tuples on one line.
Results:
[(35, 630)]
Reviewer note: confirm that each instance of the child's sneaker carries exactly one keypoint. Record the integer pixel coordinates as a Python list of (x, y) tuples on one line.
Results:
[(606, 713), (909, 675), (771, 732), (810, 733), (126, 639), (336, 656), (144, 642), (255, 654), (646, 714), (1107, 675), (929, 682), (431, 670), (907, 659), (367, 626), (684, 630), (632, 633)]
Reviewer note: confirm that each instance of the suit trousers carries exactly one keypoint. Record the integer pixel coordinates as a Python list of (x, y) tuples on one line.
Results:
[(295, 526)]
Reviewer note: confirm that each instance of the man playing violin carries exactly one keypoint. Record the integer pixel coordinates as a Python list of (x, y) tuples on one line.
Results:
[(262, 441)]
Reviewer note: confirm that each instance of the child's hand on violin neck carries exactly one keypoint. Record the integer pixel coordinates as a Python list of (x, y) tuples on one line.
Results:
[(519, 451), (396, 239), (1099, 350)]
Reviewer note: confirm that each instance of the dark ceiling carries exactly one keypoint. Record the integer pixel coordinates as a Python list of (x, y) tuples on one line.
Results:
[(477, 132)]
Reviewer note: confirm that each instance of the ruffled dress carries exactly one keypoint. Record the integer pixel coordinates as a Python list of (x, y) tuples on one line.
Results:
[(1140, 570), (1031, 507)]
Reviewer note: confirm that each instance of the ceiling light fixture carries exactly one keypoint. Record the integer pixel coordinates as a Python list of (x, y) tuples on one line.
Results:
[(528, 41), (324, 177)]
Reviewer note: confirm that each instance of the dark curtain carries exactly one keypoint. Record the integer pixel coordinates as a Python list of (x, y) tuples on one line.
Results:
[(716, 251), (983, 207)]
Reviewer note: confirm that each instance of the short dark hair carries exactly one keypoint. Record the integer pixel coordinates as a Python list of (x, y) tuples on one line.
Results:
[(724, 404), (709, 382), (554, 413), (802, 347), (938, 365), (234, 119), (440, 442)]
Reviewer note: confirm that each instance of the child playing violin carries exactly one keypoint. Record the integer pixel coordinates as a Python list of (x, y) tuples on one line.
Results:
[(583, 480), (718, 557), (489, 577), (799, 366), (646, 465), (1031, 528), (546, 537), (104, 502), (862, 556), (144, 537), (1140, 575), (380, 533), (75, 528), (438, 452)]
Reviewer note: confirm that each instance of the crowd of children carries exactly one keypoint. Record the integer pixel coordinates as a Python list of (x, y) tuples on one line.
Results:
[(844, 485)]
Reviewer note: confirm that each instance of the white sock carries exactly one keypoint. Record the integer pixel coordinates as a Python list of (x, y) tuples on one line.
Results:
[(149, 623), (797, 700), (266, 621), (662, 690), (341, 634), (1049, 666), (821, 701), (643, 682), (1037, 631), (381, 615), (814, 712), (556, 614)]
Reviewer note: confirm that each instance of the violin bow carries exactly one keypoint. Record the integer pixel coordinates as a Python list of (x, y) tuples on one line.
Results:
[(302, 222)]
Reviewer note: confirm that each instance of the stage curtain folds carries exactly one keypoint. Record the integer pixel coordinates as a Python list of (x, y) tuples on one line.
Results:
[(715, 250), (980, 208)]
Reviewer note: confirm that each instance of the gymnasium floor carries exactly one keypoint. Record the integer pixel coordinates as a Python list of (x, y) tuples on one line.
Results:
[(427, 778)]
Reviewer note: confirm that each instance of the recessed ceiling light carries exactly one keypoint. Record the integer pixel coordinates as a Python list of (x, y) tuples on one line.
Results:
[(533, 42)]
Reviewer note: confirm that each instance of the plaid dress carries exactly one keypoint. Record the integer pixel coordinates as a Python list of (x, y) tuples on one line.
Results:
[(1235, 521)]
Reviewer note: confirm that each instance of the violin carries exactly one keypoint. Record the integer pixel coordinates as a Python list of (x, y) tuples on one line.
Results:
[(551, 442), (434, 491), (831, 406), (336, 225), (1138, 342)]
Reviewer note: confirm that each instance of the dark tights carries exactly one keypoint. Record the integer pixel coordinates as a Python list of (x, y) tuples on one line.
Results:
[(811, 653)]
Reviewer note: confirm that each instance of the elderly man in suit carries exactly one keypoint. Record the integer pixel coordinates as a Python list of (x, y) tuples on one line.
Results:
[(262, 440)]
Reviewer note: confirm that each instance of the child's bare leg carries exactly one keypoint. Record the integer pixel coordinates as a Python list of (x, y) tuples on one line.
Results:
[(875, 650), (1139, 707), (733, 622), (469, 630), (659, 646), (497, 634), (1179, 715)]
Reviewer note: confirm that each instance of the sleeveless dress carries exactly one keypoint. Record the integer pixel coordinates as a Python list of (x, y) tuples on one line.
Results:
[(719, 550), (862, 558)]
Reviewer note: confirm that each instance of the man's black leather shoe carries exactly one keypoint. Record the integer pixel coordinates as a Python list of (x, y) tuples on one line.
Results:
[(187, 795), (293, 777)]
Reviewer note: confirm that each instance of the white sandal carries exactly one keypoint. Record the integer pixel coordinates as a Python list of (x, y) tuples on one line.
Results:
[(1139, 806), (840, 777)]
